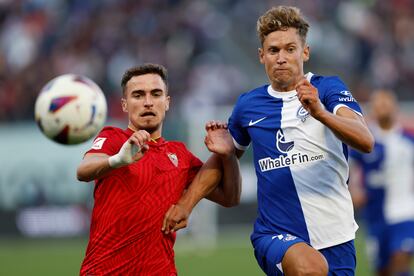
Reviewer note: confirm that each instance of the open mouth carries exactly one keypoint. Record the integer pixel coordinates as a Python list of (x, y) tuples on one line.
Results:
[(148, 114)]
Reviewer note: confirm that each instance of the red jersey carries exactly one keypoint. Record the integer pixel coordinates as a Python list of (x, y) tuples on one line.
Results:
[(130, 203)]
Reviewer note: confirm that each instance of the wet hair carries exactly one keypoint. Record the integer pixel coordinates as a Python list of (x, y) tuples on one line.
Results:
[(281, 18), (147, 68)]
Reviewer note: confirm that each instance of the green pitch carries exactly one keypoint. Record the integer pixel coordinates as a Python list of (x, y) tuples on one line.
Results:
[(232, 256)]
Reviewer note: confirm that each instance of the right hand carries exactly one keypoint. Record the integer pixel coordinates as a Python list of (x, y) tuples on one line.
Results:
[(132, 150)]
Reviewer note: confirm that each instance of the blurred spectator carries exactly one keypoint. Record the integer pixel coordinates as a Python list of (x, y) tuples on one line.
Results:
[(362, 41)]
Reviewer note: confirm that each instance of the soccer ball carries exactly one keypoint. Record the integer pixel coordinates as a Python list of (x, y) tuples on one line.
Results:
[(70, 109)]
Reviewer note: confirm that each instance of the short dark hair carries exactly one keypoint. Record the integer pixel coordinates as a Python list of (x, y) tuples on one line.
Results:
[(147, 68), (282, 18)]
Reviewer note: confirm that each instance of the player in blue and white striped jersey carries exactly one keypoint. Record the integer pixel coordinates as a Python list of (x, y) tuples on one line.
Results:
[(299, 127), (387, 189)]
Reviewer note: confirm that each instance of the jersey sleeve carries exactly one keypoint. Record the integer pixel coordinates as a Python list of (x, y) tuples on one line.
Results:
[(108, 141), (240, 135), (337, 95)]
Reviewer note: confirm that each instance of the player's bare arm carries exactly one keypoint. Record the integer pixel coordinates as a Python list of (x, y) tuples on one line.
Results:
[(219, 141), (348, 126), (96, 165), (219, 179)]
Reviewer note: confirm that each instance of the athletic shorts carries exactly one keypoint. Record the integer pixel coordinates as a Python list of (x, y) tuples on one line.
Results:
[(341, 259), (383, 240), (270, 249)]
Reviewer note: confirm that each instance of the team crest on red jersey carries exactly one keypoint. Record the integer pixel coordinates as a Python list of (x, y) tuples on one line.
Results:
[(173, 158)]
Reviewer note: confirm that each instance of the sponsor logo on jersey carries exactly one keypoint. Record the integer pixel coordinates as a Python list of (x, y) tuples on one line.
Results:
[(98, 143), (302, 114), (285, 237), (290, 159), (173, 158), (348, 96), (289, 237), (252, 123), (346, 93), (281, 144), (268, 163)]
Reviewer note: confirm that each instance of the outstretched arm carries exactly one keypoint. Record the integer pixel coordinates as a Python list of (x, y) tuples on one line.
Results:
[(219, 179), (96, 165), (348, 126)]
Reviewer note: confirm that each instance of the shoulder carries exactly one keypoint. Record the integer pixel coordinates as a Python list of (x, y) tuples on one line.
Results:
[(109, 140), (113, 134), (246, 99), (249, 95), (110, 130), (326, 82)]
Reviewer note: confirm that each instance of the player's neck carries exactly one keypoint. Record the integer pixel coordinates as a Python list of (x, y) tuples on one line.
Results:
[(154, 133)]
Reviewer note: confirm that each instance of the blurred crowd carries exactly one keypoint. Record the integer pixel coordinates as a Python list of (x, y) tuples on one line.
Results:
[(209, 47)]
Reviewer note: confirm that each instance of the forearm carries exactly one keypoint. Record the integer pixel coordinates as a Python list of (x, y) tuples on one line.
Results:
[(228, 192), (93, 168), (206, 180), (351, 130)]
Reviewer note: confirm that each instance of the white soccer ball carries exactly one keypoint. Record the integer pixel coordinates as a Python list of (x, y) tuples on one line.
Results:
[(70, 109)]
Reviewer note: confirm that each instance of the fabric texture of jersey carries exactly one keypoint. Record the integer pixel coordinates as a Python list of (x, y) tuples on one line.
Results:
[(130, 203), (301, 166), (388, 176)]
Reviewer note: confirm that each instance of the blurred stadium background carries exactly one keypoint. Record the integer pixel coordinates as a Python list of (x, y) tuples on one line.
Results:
[(210, 49)]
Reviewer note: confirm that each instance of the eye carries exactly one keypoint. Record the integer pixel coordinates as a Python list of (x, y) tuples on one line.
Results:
[(157, 93), (273, 50), (291, 50)]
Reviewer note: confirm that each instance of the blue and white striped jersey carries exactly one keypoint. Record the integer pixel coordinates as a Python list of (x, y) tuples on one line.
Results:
[(301, 167), (388, 176)]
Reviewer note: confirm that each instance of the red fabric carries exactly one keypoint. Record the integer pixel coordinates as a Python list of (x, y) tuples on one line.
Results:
[(130, 203)]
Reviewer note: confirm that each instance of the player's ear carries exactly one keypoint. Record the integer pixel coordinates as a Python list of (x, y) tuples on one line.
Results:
[(167, 103), (306, 52), (124, 105), (260, 51)]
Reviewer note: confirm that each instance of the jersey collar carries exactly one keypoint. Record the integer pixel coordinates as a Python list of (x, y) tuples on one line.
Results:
[(159, 141), (288, 95)]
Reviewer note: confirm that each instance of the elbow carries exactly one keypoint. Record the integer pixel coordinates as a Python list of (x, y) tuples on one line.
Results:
[(231, 203), (368, 145), (81, 176)]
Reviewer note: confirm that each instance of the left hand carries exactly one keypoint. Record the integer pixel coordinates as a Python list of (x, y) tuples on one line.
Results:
[(218, 139), (175, 219), (309, 97)]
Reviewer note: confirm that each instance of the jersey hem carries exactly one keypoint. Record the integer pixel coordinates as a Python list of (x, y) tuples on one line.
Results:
[(343, 105), (240, 147), (334, 243)]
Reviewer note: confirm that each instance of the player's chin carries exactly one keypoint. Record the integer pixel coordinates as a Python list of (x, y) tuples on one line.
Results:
[(150, 127)]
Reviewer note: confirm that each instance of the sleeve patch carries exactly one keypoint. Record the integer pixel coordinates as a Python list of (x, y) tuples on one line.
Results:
[(98, 143)]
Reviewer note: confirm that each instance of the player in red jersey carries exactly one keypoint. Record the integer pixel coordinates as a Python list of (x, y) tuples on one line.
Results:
[(138, 175)]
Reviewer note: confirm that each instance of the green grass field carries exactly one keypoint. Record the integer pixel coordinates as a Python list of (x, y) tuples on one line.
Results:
[(232, 256)]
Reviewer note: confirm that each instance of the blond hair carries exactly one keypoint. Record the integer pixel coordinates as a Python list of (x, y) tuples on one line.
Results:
[(282, 18)]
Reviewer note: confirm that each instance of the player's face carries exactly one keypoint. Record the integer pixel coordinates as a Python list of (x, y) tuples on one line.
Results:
[(283, 54), (146, 102), (383, 106)]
